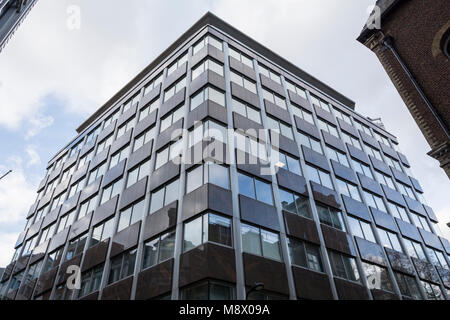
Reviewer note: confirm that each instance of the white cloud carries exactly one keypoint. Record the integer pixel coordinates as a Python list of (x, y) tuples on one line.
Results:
[(17, 194), (7, 242), (33, 155), (38, 123)]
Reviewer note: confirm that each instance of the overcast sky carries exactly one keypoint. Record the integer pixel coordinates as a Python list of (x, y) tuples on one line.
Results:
[(53, 77)]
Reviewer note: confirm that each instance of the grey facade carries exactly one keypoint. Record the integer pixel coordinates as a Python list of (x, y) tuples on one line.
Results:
[(12, 13), (340, 216)]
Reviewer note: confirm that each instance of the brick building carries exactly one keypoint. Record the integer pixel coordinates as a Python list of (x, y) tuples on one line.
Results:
[(413, 47)]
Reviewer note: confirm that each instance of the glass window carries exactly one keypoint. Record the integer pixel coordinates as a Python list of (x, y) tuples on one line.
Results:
[(175, 88), (208, 173), (208, 227), (362, 168), (319, 176), (120, 155), (320, 103), (337, 156), (414, 249), (362, 127), (389, 240), (122, 266), (325, 126), (164, 196), (255, 188), (102, 232), (236, 54), (105, 143), (310, 142), (172, 151), (76, 246), (207, 131), (296, 89), (294, 203), (304, 254), (260, 242), (280, 127), (269, 74), (171, 118), (343, 266), (87, 207), (351, 140), (113, 117), (246, 111), (408, 285), (206, 65), (343, 116), (112, 190), (149, 108), (177, 63), (125, 127), (373, 152), (208, 290), (247, 143), (361, 229), (132, 102), (274, 98), (138, 173), (159, 249), (374, 201), (420, 221), (377, 277), (348, 189), (331, 217), (243, 81), (208, 39), (432, 291), (207, 93), (90, 280), (302, 113), (384, 179), (153, 83), (131, 215)]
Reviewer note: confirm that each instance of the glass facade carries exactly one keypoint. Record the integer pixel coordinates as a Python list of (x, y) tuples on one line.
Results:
[(136, 202)]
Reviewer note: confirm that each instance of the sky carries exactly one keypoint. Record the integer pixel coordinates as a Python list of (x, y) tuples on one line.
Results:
[(55, 72)]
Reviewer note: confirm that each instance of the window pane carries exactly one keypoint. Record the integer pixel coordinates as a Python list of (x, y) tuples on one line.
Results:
[(192, 234), (194, 179), (246, 186), (171, 192), (150, 253), (250, 240), (263, 192), (166, 246), (218, 175), (270, 245), (219, 229), (157, 200), (297, 252)]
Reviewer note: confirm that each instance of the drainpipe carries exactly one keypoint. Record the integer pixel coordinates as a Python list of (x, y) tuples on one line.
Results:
[(388, 43)]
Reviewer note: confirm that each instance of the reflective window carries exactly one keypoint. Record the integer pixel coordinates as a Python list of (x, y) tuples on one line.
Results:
[(305, 254), (247, 143), (164, 196), (177, 63), (351, 140), (337, 156), (420, 221), (274, 98), (343, 266), (374, 201), (408, 285), (90, 280), (138, 173), (122, 266), (131, 215), (362, 168), (153, 83), (171, 118), (296, 89), (207, 228), (362, 127), (207, 93), (255, 188), (110, 119), (302, 113), (246, 111), (206, 65), (105, 143), (175, 88), (389, 239), (331, 217), (269, 74), (208, 290), (294, 203), (398, 212), (377, 277), (310, 142), (260, 242), (348, 189), (87, 206), (287, 162), (327, 127), (112, 190), (76, 246), (241, 57), (207, 173), (132, 102), (143, 138), (385, 179), (149, 108), (243, 81), (343, 116), (280, 127), (120, 155), (361, 229), (102, 232), (320, 103), (125, 127), (158, 249), (208, 39), (414, 249), (319, 176), (432, 291)]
